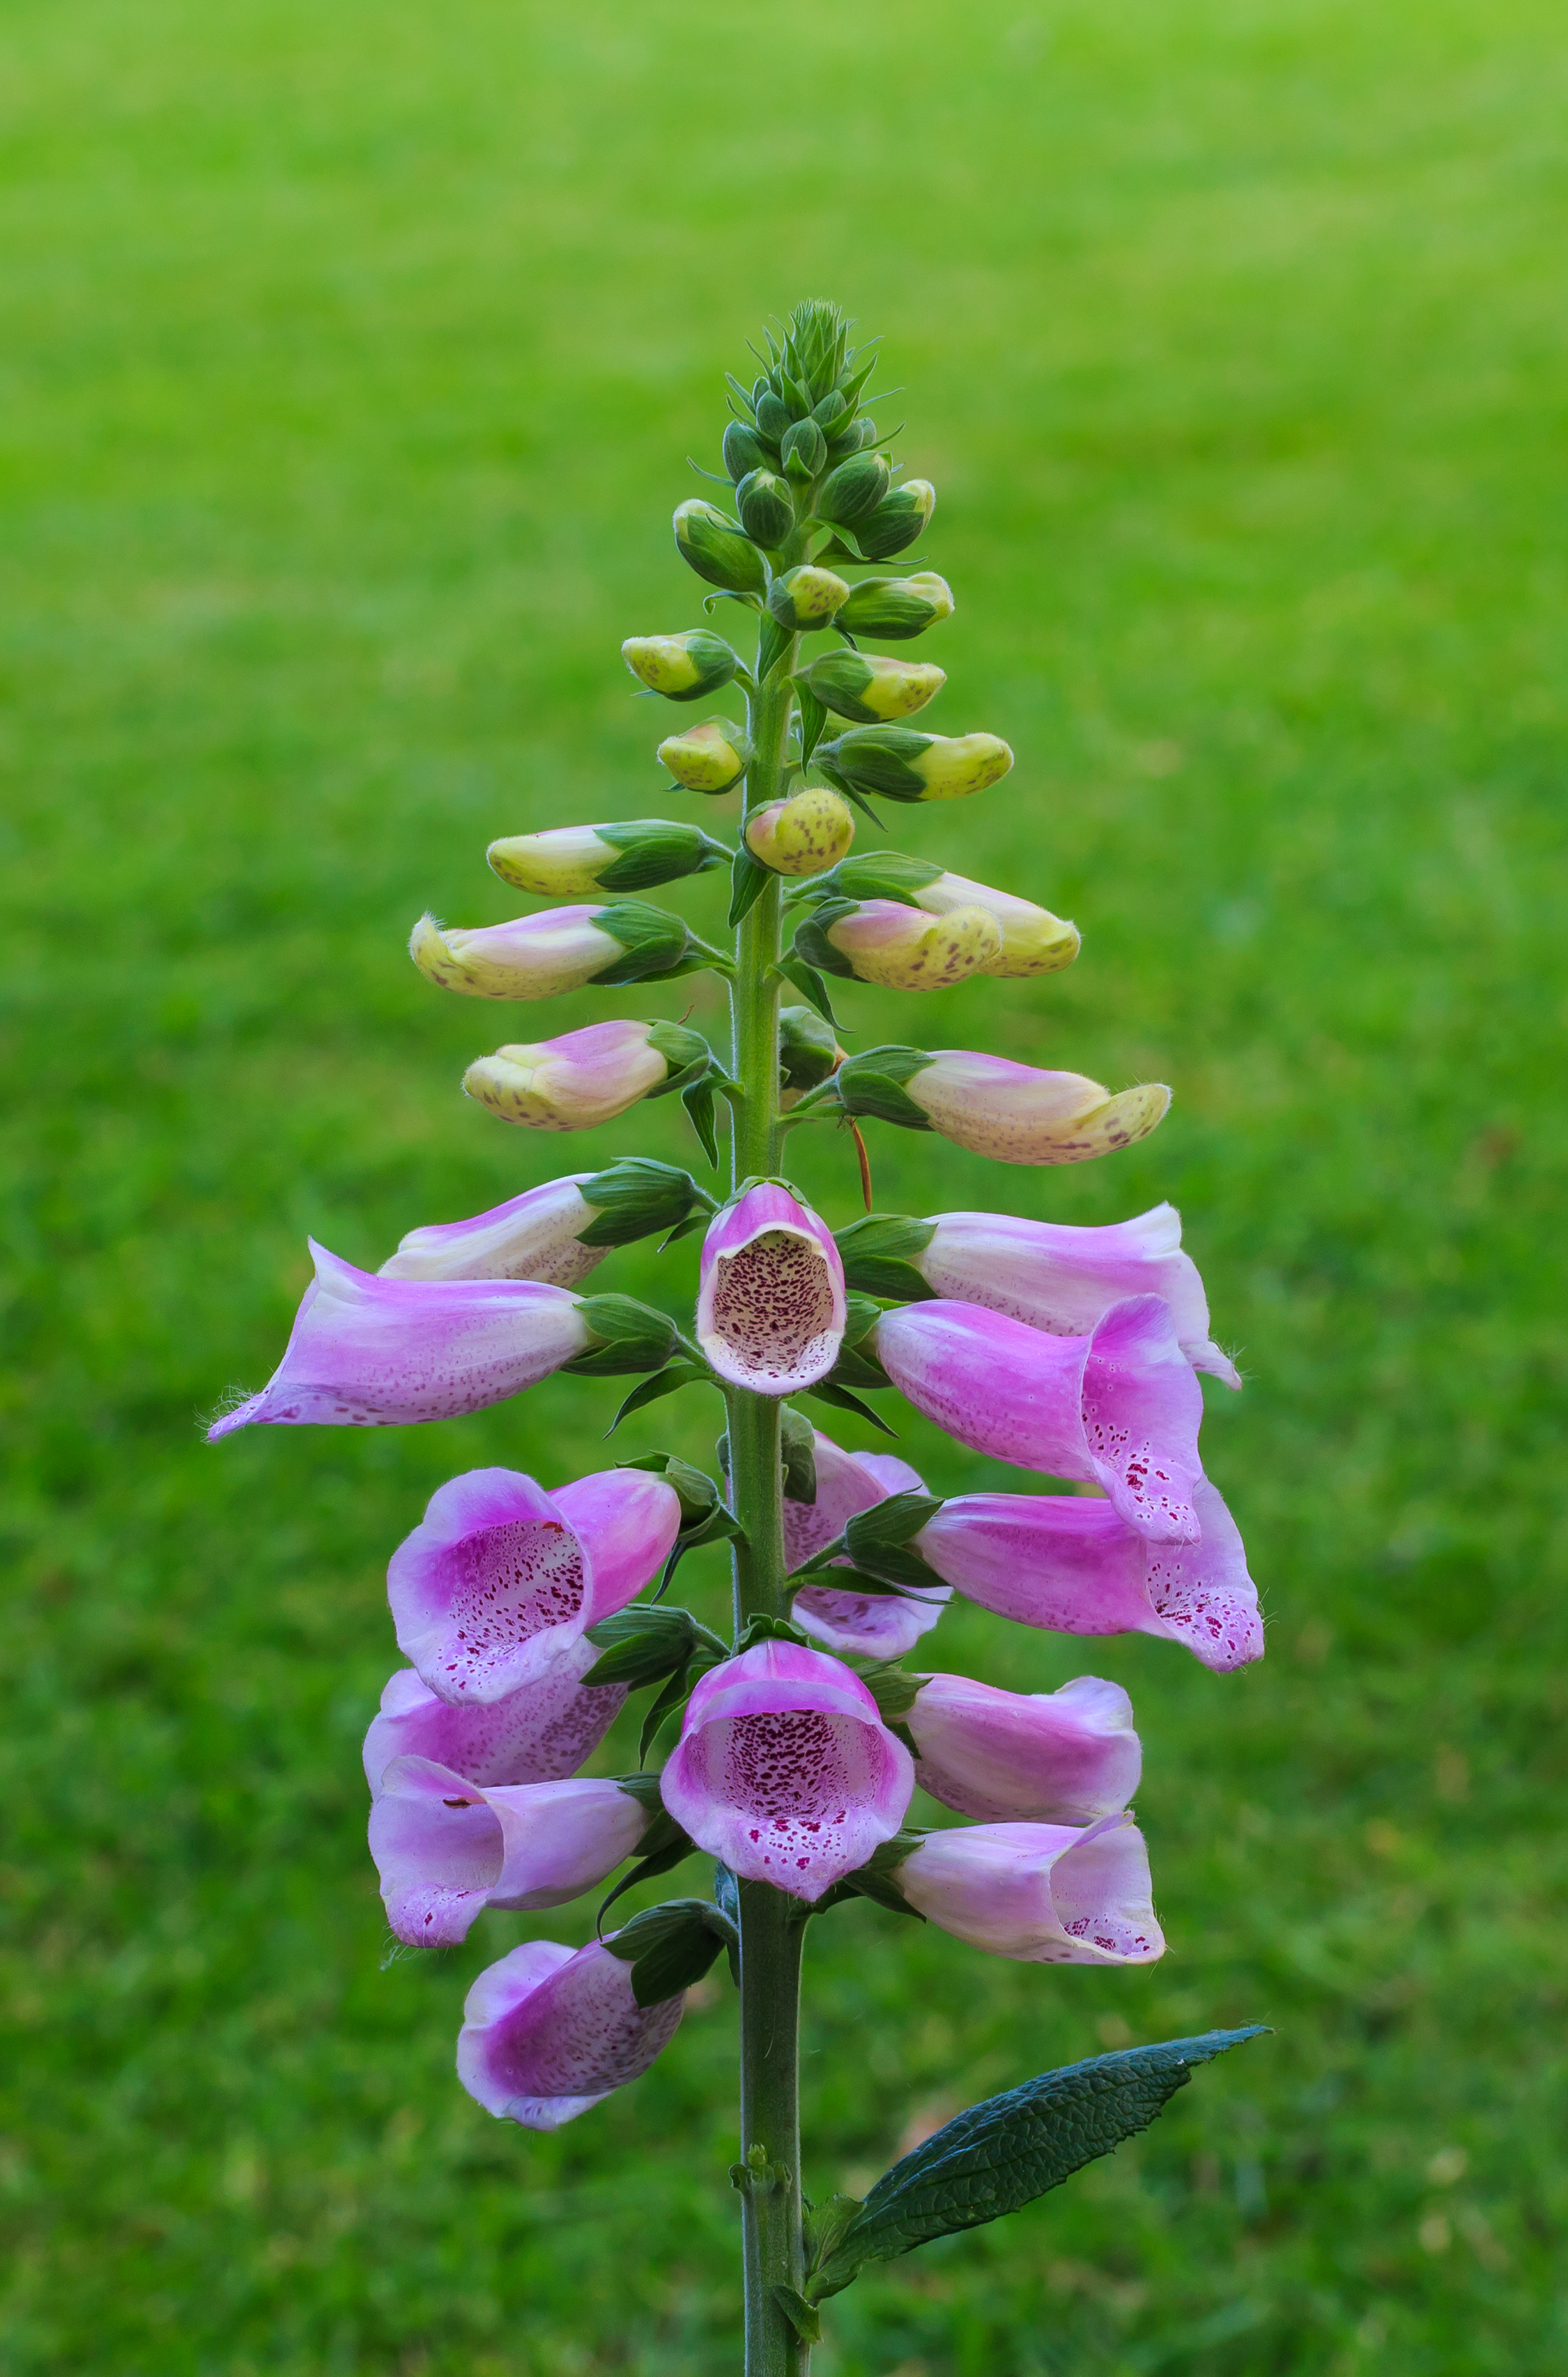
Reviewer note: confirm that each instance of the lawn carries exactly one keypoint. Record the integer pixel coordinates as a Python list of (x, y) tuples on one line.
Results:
[(351, 360)]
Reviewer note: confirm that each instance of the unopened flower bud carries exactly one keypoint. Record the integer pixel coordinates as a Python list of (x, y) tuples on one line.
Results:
[(898, 948), (804, 835), (1015, 1112), (809, 1052), (743, 450), (717, 549), (897, 608), (804, 450), (773, 417), (852, 440), (901, 764), (572, 1083), (766, 508), (712, 758), (1033, 940), (832, 409), (871, 687), (807, 598), (624, 857), (900, 520), (684, 667), (537, 956), (856, 487)]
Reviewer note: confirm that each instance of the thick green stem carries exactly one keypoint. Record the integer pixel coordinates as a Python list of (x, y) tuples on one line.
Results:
[(770, 1937)]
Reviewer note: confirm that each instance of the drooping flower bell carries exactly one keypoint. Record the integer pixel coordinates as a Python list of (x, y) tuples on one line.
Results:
[(500, 1577), (547, 2033), (1119, 1408), (710, 758), (897, 948), (770, 1307), (683, 668), (581, 1078), (1055, 1275), (804, 835), (786, 1771), (1073, 1566), (446, 1848), (559, 949), (1014, 1113), (899, 763), (870, 687), (1053, 1758), (632, 856), (856, 1625), (538, 1735), (1040, 1893), (897, 608)]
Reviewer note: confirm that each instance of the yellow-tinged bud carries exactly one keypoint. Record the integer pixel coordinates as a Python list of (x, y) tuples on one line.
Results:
[(899, 947), (807, 598), (581, 1078), (900, 520), (899, 763), (628, 856), (805, 835), (871, 687), (684, 667), (1033, 940), (898, 607), (712, 758), (717, 549)]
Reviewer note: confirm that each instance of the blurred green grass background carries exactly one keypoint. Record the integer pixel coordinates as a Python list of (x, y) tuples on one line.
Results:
[(350, 357)]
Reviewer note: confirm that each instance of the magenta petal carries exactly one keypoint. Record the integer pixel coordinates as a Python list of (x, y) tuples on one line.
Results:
[(1059, 1758), (369, 1351), (437, 1850), (785, 1772), (1040, 1893), (770, 1307), (1119, 1408), (560, 1839), (626, 1521), (547, 2034), (531, 1236), (489, 1588), (537, 1735), (1071, 1565), (856, 1625)]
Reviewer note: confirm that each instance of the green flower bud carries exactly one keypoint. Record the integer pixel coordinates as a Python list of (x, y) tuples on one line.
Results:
[(856, 488), (898, 607), (804, 835), (683, 668), (852, 440), (624, 857), (899, 520), (807, 598), (743, 450), (773, 417), (804, 450), (902, 765), (766, 508), (807, 1053), (833, 408), (717, 549), (872, 688), (712, 758)]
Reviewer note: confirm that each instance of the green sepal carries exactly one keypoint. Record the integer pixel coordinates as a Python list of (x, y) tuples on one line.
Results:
[(663, 1843), (841, 1399), (813, 718), (876, 1251), (878, 1539), (893, 1689), (671, 1946), (667, 1382), (637, 1195), (773, 645), (801, 2315), (641, 1646), (718, 548), (675, 1695), (811, 986), (878, 760), (686, 1053), (811, 942), (634, 1337), (873, 875), (694, 1490), (1003, 2154), (873, 1083), (698, 1100), (874, 1880), (748, 879), (808, 1049), (763, 1629), (656, 850), (653, 941)]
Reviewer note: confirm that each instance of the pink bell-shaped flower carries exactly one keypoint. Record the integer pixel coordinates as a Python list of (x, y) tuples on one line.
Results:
[(856, 1625), (536, 1236), (537, 1734), (771, 1308), (499, 1577), (1040, 1893), (446, 1849), (548, 2033), (786, 1771), (1052, 1758), (370, 1351), (1060, 1562), (1118, 1408)]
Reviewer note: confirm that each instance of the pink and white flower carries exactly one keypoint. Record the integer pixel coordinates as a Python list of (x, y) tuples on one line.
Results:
[(856, 1625), (529, 957), (537, 1734), (771, 1308), (531, 1237), (548, 2033), (1118, 1408), (1072, 1565), (499, 1577), (572, 1082), (446, 1849), (1058, 1758), (1040, 1893), (786, 1771)]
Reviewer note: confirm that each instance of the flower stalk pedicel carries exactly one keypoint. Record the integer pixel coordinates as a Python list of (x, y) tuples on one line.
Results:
[(529, 1611)]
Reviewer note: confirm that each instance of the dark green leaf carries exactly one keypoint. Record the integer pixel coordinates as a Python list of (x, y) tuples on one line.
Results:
[(841, 1399), (641, 1646), (748, 879), (670, 1947), (674, 1696), (811, 985), (698, 1100), (664, 1382), (813, 718), (1001, 2155)]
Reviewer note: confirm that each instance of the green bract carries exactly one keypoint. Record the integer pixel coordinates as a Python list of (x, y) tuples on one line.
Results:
[(717, 549)]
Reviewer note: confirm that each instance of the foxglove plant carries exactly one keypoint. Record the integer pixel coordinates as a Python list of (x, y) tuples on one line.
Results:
[(523, 1608)]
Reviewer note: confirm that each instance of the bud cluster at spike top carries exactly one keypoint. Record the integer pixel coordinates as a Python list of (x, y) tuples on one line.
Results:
[(526, 1612)]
